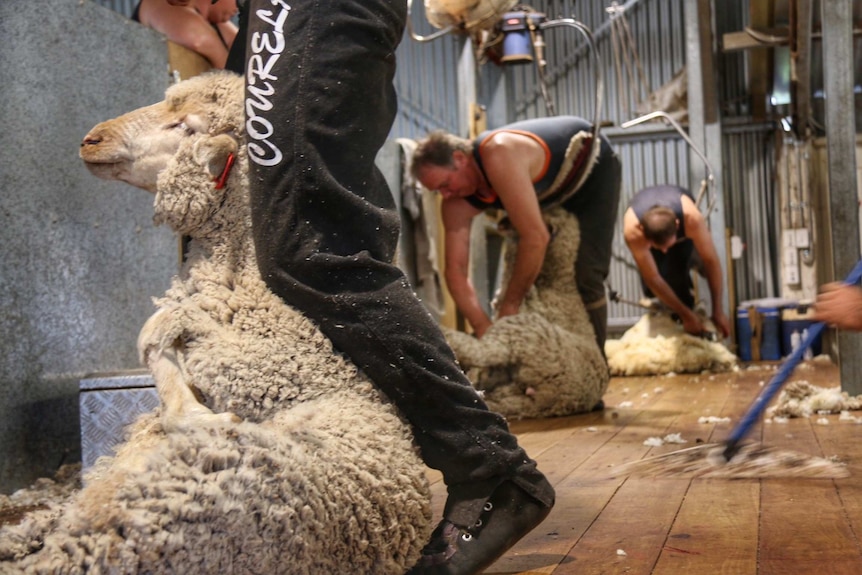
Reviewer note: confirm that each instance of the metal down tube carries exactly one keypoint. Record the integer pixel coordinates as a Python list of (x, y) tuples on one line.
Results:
[(429, 37), (597, 72), (710, 179)]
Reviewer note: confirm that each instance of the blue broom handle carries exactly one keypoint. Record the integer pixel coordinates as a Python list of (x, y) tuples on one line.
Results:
[(753, 414)]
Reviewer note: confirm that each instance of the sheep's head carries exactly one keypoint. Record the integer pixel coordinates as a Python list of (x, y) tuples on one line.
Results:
[(136, 147)]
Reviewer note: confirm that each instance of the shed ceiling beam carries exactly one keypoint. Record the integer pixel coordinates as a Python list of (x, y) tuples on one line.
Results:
[(755, 38), (767, 38), (761, 14)]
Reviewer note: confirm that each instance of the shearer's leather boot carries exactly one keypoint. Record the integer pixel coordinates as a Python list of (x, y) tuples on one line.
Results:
[(508, 515)]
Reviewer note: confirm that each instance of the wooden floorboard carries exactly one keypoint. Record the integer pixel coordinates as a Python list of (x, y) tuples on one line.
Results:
[(604, 524), (715, 531)]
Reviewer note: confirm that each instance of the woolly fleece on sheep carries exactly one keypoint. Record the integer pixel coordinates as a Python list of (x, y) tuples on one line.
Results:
[(319, 476), (543, 361)]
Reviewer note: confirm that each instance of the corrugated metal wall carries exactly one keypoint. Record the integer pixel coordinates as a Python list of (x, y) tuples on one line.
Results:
[(751, 204), (659, 155), (658, 33), (426, 80), (649, 37)]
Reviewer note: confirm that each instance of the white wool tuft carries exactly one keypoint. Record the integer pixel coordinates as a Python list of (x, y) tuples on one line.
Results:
[(801, 399), (847, 416), (674, 438), (713, 419)]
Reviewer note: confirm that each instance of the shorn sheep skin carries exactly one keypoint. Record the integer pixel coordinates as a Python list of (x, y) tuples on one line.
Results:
[(270, 452)]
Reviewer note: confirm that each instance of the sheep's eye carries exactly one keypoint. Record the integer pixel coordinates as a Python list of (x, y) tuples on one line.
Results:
[(181, 125)]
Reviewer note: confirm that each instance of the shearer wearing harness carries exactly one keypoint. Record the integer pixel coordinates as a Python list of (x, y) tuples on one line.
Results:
[(521, 168), (668, 236)]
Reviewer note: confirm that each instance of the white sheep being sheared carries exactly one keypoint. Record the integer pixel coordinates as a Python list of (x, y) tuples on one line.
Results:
[(658, 345), (270, 452), (544, 361)]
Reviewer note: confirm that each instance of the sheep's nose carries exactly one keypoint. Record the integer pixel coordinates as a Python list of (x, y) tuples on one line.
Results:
[(92, 140)]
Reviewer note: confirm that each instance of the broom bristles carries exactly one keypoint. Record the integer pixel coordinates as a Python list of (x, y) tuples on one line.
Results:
[(751, 461)]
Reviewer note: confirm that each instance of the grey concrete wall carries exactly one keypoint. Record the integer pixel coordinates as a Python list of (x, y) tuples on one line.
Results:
[(80, 257)]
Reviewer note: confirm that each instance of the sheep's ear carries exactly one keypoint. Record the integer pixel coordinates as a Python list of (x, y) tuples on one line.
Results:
[(213, 153), (186, 195)]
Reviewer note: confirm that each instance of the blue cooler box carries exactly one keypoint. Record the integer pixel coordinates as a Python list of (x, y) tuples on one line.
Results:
[(769, 311)]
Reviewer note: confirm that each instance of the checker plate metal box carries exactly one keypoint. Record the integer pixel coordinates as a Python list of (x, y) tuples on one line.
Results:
[(109, 402)]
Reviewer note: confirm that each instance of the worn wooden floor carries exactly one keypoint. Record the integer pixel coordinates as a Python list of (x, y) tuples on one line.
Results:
[(642, 526)]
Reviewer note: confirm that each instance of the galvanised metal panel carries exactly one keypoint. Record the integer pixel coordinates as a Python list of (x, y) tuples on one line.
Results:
[(109, 403), (650, 156), (124, 7), (752, 208), (426, 81), (657, 155), (656, 27), (81, 257)]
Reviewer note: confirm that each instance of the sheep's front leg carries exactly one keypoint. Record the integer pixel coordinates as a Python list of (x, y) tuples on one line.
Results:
[(159, 347), (490, 351)]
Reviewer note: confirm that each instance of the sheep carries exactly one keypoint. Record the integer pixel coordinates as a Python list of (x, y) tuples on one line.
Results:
[(658, 345), (543, 361), (270, 452)]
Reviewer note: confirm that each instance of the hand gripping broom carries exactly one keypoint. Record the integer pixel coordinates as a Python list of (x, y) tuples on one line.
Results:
[(733, 458)]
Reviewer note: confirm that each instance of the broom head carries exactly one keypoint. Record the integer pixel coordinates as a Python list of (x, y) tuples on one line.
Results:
[(751, 461)]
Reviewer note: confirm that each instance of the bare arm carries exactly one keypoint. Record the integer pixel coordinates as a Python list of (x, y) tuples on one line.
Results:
[(697, 230), (840, 305), (509, 161), (457, 217), (640, 249), (228, 31), (185, 27)]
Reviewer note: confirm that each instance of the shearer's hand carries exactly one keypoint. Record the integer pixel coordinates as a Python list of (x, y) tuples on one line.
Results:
[(719, 319), (691, 323), (839, 305)]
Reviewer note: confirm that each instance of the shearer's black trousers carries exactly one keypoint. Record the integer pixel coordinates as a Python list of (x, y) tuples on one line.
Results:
[(319, 105)]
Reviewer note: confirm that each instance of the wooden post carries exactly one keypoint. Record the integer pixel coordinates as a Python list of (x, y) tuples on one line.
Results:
[(837, 18)]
